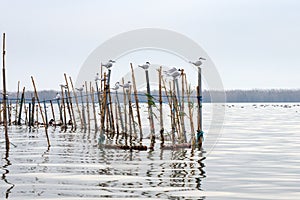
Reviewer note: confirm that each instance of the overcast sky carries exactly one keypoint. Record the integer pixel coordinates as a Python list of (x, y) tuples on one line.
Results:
[(253, 43)]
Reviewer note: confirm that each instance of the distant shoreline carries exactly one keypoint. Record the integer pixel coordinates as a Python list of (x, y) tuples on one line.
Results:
[(232, 96)]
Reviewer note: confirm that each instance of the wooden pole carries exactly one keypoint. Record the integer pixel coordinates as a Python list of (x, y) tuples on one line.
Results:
[(199, 98), (21, 105), (190, 106), (94, 109), (88, 107), (64, 125), (17, 103), (125, 113), (161, 108), (71, 104), (4, 96), (137, 103), (70, 122), (32, 111), (37, 98), (53, 114), (103, 112), (129, 116), (182, 113), (76, 100), (117, 121), (152, 130), (46, 116)]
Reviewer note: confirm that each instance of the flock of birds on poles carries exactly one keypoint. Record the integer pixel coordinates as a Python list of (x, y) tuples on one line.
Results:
[(115, 116)]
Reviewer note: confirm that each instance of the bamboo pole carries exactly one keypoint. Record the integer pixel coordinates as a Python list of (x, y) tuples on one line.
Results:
[(37, 98), (76, 100), (53, 114), (111, 115), (137, 103), (88, 107), (129, 116), (71, 103), (70, 122), (182, 113), (64, 124), (103, 112), (171, 111), (125, 113), (161, 121), (199, 98), (190, 106), (151, 122), (4, 96), (46, 116), (32, 111), (17, 103), (117, 120), (94, 109), (21, 105), (119, 111), (9, 113)]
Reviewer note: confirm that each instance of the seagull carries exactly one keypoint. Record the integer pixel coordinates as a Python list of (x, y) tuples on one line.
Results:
[(57, 96), (175, 74), (97, 78), (173, 69), (109, 64), (198, 62), (117, 86), (145, 66), (80, 89), (126, 85)]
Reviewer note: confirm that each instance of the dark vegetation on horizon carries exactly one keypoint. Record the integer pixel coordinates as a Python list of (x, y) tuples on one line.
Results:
[(255, 95)]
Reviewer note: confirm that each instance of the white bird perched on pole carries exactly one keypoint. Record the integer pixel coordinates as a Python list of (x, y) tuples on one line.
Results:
[(175, 74), (145, 66), (80, 89), (57, 96), (117, 86), (173, 69), (97, 78), (126, 85), (198, 62), (109, 64)]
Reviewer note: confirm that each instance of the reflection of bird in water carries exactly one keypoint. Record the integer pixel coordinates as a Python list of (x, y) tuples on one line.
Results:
[(145, 66), (117, 86), (109, 64), (198, 62), (126, 85)]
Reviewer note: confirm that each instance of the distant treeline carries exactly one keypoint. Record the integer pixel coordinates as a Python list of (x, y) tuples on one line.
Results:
[(255, 95)]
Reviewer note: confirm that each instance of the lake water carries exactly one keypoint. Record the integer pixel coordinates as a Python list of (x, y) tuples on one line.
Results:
[(257, 157)]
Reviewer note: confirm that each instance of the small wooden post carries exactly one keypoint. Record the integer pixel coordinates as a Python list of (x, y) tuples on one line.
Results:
[(37, 98), (21, 105), (4, 97), (151, 122)]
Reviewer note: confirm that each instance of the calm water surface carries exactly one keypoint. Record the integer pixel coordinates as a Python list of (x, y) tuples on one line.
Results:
[(256, 157)]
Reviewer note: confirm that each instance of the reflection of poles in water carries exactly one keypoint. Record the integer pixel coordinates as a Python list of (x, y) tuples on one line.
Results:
[(4, 97), (6, 171)]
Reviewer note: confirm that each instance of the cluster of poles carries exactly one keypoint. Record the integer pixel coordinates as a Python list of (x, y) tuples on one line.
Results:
[(115, 115)]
